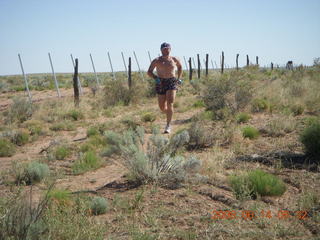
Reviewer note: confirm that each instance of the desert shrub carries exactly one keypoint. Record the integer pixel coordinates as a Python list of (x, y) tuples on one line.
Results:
[(216, 94), (149, 117), (256, 182), (280, 126), (33, 172), (7, 149), (259, 105), (35, 127), (60, 196), (297, 109), (92, 131), (98, 205), (243, 94), (200, 136), (242, 117), (61, 152), (88, 161), (20, 111), (160, 162), (22, 219), (250, 132), (117, 92), (310, 137), (21, 137), (62, 126), (74, 114)]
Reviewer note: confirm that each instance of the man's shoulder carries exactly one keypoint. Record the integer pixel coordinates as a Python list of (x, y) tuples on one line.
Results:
[(157, 59)]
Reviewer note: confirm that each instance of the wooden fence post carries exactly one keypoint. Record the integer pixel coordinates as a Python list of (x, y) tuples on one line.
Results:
[(190, 69), (237, 63), (207, 62), (198, 57), (247, 61), (271, 66), (76, 84), (257, 60), (25, 79), (79, 83), (129, 74), (222, 62)]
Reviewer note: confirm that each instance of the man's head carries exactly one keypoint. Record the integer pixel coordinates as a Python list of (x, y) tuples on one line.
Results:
[(165, 49)]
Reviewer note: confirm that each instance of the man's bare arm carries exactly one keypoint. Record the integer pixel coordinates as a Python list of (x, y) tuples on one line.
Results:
[(151, 68), (179, 66)]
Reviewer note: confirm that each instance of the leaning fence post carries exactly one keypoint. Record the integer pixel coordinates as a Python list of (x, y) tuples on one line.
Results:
[(25, 79), (79, 83), (185, 62), (198, 57), (222, 62), (190, 69), (207, 61), (247, 61), (194, 63), (54, 77), (135, 56), (124, 63), (149, 57), (75, 85), (94, 69), (114, 76), (129, 74), (237, 65)]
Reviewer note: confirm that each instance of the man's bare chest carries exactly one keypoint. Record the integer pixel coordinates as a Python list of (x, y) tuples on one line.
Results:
[(166, 63)]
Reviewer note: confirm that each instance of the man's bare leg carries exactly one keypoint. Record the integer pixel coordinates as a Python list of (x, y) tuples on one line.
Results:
[(162, 103), (170, 97)]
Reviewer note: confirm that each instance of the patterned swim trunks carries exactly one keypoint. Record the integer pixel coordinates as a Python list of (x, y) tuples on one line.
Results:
[(166, 84)]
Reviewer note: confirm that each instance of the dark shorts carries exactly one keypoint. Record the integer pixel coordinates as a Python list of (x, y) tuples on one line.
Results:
[(166, 84)]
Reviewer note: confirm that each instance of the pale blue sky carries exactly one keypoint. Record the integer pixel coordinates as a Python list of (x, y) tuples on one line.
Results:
[(275, 31)]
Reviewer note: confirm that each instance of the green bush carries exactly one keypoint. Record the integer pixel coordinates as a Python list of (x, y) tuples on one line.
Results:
[(198, 104), (62, 126), (149, 117), (259, 105), (243, 117), (61, 196), (35, 127), (34, 172), (75, 115), (297, 109), (88, 161), (61, 152), (250, 132), (21, 137), (7, 149), (256, 182), (98, 205), (92, 131), (310, 138)]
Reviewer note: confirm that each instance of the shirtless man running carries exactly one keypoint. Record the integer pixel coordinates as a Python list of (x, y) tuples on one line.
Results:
[(166, 82)]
